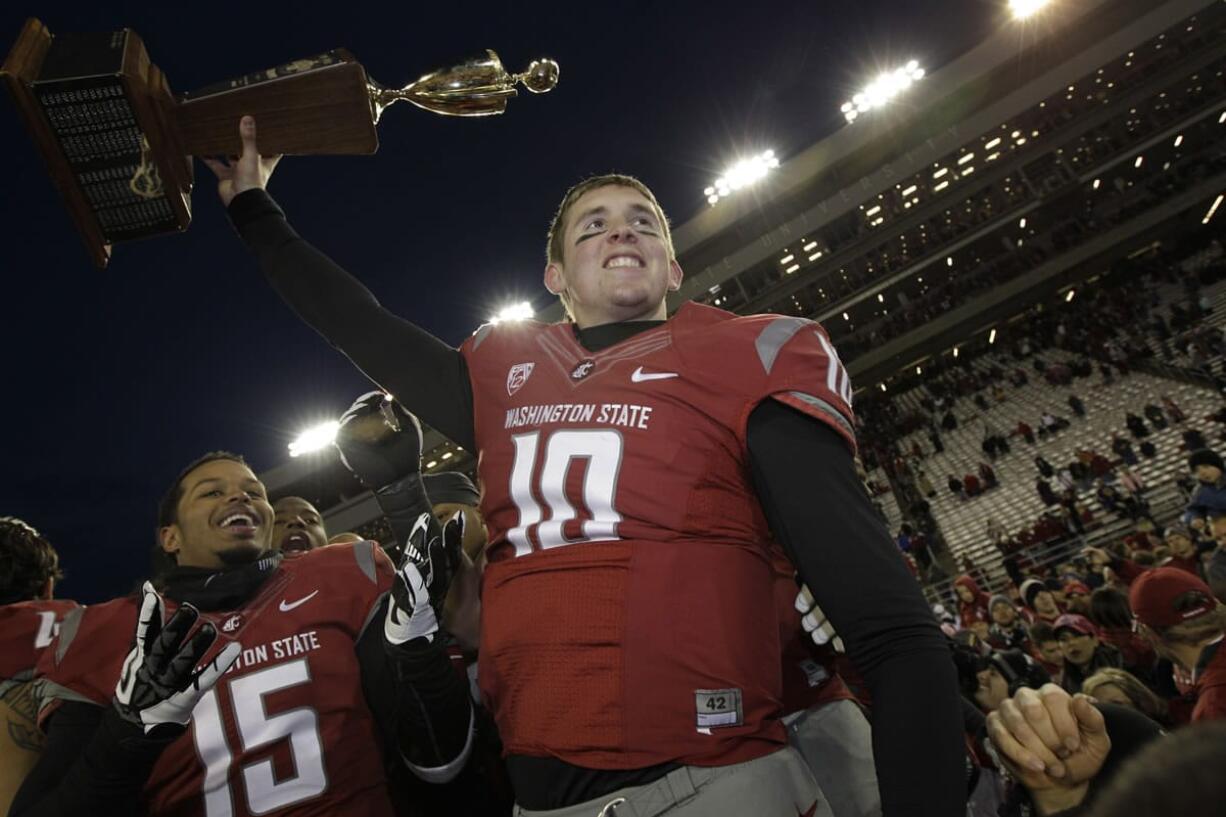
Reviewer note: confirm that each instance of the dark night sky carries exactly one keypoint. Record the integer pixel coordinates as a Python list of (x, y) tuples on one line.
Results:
[(113, 380)]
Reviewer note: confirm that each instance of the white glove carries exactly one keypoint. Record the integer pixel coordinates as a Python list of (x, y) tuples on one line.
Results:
[(815, 622), (159, 684), (410, 614)]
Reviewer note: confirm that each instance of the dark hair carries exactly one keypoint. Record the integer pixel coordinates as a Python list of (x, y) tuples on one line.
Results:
[(1180, 774), (27, 560), (168, 508), (1041, 631), (1109, 608), (1144, 558)]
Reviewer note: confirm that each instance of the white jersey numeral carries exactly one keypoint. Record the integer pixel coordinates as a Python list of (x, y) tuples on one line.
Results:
[(257, 728), (46, 629), (602, 451), (837, 378)]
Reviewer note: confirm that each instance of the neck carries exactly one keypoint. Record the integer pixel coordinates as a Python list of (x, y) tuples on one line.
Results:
[(1186, 655), (588, 321)]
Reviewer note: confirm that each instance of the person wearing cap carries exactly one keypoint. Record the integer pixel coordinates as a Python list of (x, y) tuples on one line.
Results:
[(1040, 601), (1208, 468), (1077, 597), (1084, 653), (1008, 630), (1178, 615), (1184, 554)]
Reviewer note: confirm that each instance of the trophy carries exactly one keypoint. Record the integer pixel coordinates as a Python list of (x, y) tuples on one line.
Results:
[(118, 143)]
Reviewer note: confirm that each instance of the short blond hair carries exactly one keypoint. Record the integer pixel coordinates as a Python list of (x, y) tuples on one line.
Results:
[(1142, 697), (557, 228)]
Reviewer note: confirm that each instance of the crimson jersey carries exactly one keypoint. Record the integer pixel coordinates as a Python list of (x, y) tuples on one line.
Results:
[(287, 729), (27, 628), (627, 603)]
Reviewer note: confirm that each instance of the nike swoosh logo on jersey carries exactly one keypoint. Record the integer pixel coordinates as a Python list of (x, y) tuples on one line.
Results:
[(639, 376), (287, 606)]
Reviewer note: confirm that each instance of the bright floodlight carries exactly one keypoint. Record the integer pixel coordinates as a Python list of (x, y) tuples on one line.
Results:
[(884, 88), (742, 174), (1026, 8), (313, 439), (521, 311)]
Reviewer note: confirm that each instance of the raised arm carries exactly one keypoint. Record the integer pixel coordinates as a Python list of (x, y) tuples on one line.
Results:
[(397, 355)]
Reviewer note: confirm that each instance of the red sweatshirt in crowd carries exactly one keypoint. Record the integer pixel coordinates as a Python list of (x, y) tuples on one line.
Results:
[(977, 608)]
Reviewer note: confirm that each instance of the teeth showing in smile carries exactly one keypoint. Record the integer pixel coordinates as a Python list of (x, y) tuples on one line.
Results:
[(623, 261), (238, 519)]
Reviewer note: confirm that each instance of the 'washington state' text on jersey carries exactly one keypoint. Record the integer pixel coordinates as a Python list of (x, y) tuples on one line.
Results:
[(627, 605), (287, 729)]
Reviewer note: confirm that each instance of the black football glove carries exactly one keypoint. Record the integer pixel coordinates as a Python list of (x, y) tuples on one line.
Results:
[(423, 578), (379, 442), (159, 684)]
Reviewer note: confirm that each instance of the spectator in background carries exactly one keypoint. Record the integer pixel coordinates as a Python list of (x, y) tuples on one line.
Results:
[(1173, 411), (990, 679), (970, 484), (988, 476), (996, 532), (1194, 440), (1045, 469), (1008, 630), (1207, 467), (1136, 426), (1077, 598), (1155, 416), (1064, 478), (1025, 431), (1130, 481), (1077, 405), (1084, 653), (1182, 545), (1112, 616), (1148, 449), (955, 486), (972, 601), (297, 526), (1040, 601), (925, 485), (1123, 449), (1178, 615), (1120, 687), (1046, 493), (1045, 647)]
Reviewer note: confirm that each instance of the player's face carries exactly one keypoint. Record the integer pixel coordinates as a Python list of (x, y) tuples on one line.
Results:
[(224, 517), (297, 526), (615, 265)]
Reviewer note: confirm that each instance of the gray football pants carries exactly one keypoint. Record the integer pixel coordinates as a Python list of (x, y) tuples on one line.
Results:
[(777, 785), (837, 743)]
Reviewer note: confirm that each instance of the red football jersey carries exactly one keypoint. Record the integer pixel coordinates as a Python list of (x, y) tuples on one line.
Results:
[(627, 603), (287, 729), (26, 629)]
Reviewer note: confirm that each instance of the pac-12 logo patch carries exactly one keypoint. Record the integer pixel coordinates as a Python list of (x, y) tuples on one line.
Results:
[(584, 368), (518, 376)]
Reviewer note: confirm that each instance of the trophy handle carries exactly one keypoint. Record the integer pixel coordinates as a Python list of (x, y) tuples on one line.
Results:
[(479, 87)]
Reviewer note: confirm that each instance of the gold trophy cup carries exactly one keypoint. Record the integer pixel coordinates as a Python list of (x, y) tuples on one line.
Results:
[(118, 143)]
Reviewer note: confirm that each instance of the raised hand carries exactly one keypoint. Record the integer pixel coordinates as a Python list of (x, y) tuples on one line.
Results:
[(160, 684), (379, 442), (248, 172), (430, 559)]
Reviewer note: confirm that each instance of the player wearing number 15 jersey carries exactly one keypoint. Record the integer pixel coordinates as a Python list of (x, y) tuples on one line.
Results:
[(328, 671), (634, 468)]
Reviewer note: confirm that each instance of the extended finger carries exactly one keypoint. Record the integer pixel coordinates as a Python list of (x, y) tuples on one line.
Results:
[(1019, 727), (149, 619), (246, 133), (181, 667), (1059, 706), (207, 675), (168, 644), (1010, 748)]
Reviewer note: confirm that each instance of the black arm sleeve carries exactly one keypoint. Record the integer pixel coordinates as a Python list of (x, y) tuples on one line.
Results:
[(93, 762), (818, 510), (394, 353), (419, 702)]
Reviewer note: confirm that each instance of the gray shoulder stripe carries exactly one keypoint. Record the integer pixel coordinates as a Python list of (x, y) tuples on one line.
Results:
[(774, 336), (68, 631), (364, 552), (481, 334), (826, 408)]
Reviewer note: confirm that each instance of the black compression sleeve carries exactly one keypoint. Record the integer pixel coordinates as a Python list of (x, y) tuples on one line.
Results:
[(419, 701), (394, 353), (818, 510), (94, 762)]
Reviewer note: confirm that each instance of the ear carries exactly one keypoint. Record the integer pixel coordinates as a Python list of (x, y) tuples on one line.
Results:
[(674, 276), (171, 538), (555, 282)]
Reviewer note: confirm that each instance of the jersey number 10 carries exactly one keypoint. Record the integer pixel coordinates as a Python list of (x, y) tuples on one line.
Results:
[(602, 450)]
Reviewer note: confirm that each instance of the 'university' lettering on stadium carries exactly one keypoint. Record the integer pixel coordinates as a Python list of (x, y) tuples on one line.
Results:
[(612, 414)]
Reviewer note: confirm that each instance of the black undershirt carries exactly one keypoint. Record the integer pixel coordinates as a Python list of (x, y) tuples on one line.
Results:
[(805, 481)]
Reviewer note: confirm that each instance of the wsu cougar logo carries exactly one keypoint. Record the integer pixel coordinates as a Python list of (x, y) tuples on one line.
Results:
[(518, 376)]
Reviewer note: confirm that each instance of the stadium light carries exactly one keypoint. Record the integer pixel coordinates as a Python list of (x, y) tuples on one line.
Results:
[(1213, 208), (882, 90), (314, 438), (742, 174), (1024, 9), (992, 337), (521, 311), (1068, 299)]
